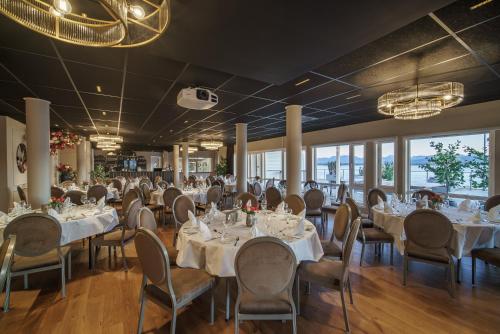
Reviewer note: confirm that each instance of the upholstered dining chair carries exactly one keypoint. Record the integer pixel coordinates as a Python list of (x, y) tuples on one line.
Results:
[(428, 238), (331, 274), (341, 223), (310, 184), (257, 190), (331, 208), (295, 203), (488, 255), (75, 196), (56, 192), (97, 191), (491, 202), (355, 213), (273, 198), (420, 193), (146, 192), (127, 187), (67, 183), (6, 258), (21, 194), (270, 183), (214, 195), (165, 285), (182, 205), (314, 199), (245, 197), (127, 199), (38, 239), (372, 199), (146, 180), (162, 184), (116, 183), (250, 188), (169, 196), (265, 287), (119, 236), (374, 236)]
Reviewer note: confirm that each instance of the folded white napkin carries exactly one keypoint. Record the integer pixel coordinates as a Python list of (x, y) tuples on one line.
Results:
[(53, 213), (192, 222), (476, 217), (257, 232), (280, 208), (204, 230), (101, 203), (302, 214), (3, 218), (387, 208), (494, 214), (380, 203), (67, 202), (300, 228), (465, 205)]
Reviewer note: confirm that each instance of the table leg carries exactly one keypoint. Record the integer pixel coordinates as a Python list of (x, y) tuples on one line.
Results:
[(459, 262), (90, 254), (228, 300)]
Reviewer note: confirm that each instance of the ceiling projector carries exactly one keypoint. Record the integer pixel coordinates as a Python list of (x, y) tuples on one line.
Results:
[(196, 98)]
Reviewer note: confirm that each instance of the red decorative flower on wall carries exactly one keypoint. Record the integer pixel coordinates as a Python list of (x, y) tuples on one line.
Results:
[(62, 140)]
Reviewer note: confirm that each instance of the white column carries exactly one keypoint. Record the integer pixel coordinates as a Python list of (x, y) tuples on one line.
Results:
[(310, 163), (164, 160), (337, 165), (38, 151), (370, 166), (293, 148), (185, 160), (241, 157), (81, 162), (89, 158), (175, 165)]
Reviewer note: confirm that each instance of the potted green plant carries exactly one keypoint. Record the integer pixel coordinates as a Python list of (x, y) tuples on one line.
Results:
[(221, 167)]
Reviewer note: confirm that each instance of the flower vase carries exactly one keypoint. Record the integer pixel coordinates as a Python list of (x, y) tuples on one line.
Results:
[(250, 220)]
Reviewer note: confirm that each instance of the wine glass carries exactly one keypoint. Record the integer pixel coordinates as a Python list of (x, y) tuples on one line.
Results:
[(263, 204), (92, 201)]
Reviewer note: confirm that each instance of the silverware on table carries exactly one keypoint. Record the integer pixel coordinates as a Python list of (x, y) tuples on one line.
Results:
[(236, 242)]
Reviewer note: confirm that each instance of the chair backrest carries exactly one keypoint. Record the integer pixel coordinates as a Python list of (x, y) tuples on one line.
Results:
[(127, 199), (75, 196), (355, 214), (348, 247), (36, 234), (6, 257), (372, 199), (145, 180), (311, 184), (97, 191), (250, 188), (314, 199), (153, 257), (115, 183), (67, 183), (147, 219), (146, 191), (341, 223), (420, 193), (182, 204), (127, 187), (169, 196), (491, 202), (257, 189), (428, 229), (162, 184), (273, 197), (265, 267), (208, 182), (133, 213), (270, 183), (214, 194), (341, 192), (295, 203), (282, 184), (245, 197), (56, 192), (21, 193)]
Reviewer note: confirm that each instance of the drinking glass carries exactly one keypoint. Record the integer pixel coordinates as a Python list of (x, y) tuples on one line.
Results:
[(263, 204), (92, 201)]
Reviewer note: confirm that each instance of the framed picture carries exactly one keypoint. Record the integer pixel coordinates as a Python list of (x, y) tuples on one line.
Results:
[(21, 158)]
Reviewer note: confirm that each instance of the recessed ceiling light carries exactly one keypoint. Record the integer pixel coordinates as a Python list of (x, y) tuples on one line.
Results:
[(98, 88), (161, 136), (353, 97), (84, 15), (107, 133), (104, 113), (447, 97), (171, 131), (105, 125), (185, 122), (84, 129), (56, 124), (302, 82)]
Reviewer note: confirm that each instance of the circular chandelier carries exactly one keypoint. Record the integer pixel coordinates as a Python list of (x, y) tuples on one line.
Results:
[(107, 142), (117, 23), (421, 100), (191, 149), (211, 144)]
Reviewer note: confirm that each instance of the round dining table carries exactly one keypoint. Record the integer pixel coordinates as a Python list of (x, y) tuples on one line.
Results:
[(198, 195), (468, 233)]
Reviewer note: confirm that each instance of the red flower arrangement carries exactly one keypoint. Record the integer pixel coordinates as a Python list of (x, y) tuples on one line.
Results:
[(62, 140), (251, 210), (56, 202), (64, 168), (435, 201)]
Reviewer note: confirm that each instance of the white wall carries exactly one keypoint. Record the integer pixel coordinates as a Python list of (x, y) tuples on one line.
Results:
[(12, 133), (476, 117), (68, 157)]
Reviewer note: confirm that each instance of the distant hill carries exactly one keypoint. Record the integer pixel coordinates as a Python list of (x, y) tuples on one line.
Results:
[(415, 160)]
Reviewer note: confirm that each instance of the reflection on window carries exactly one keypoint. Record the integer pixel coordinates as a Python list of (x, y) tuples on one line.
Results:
[(359, 164), (273, 165), (456, 164), (332, 164), (386, 164)]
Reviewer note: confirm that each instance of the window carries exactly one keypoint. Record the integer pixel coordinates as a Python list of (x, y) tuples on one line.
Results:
[(455, 164), (385, 164), (332, 164), (303, 175), (358, 172), (274, 166)]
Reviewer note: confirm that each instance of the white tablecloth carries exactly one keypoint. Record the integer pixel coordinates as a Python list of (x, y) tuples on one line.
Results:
[(198, 196), (218, 258), (81, 223), (466, 237)]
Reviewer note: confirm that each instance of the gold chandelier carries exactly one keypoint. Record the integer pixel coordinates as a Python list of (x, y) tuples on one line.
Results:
[(421, 100), (107, 142), (191, 149), (124, 24), (211, 144)]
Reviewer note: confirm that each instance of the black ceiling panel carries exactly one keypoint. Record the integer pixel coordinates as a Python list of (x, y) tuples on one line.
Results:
[(141, 61), (196, 76), (144, 88), (483, 39), (461, 14), (300, 84)]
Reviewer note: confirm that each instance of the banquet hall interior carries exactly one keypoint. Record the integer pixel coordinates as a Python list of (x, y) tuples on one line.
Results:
[(249, 167)]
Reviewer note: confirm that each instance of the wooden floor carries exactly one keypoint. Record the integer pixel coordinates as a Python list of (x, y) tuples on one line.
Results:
[(106, 301)]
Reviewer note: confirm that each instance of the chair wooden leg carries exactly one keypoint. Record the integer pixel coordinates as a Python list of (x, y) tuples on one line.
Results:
[(392, 254), (452, 278), (344, 308), (294, 322), (69, 266), (63, 278), (236, 322), (25, 281), (141, 310), (405, 269), (109, 257), (7, 294), (473, 270), (349, 289), (362, 253), (228, 300), (174, 320), (459, 269), (212, 305), (124, 257), (297, 283)]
